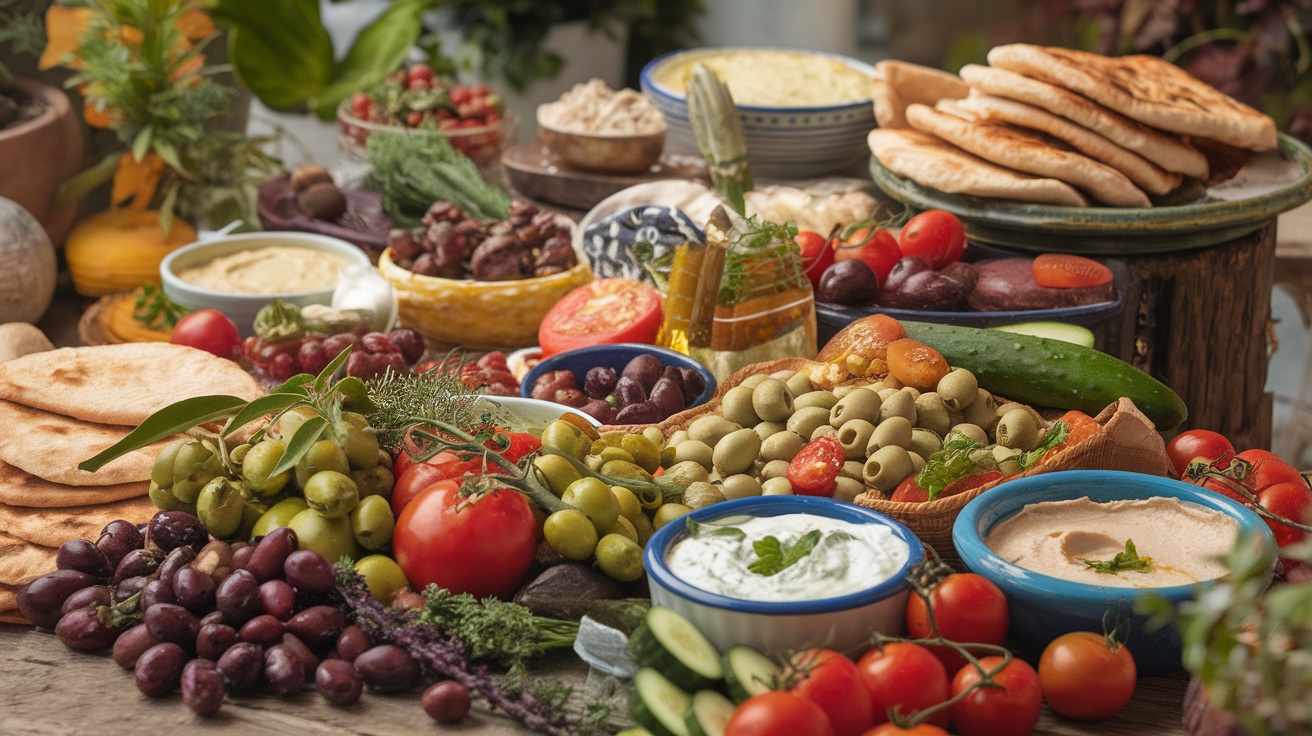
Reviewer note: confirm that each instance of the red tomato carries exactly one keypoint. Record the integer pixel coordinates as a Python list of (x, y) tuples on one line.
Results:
[(1216, 485), (832, 682), (1186, 446), (1268, 471), (909, 492), (968, 608), (1253, 456), (1011, 710), (778, 713), (521, 444), (482, 546), (1291, 500), (1082, 678), (1062, 271), (601, 312), (920, 729), (817, 255), (814, 470), (876, 246), (209, 330), (904, 676), (934, 236), (421, 476)]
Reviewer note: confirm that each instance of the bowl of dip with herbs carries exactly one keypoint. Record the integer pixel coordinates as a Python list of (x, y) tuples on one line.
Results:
[(784, 572)]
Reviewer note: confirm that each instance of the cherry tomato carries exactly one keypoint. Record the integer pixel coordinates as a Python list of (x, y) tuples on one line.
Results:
[(934, 236), (209, 330), (1063, 271), (876, 246), (968, 608), (904, 676), (601, 312), (1009, 710), (1268, 471), (920, 729), (909, 492), (1291, 500), (521, 444), (814, 470), (832, 682), (1253, 456), (778, 713), (481, 545), (817, 255), (1209, 445), (419, 477), (1217, 485), (1084, 678)]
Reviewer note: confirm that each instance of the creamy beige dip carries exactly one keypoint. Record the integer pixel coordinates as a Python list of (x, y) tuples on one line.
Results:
[(773, 77), (275, 269), (1054, 538)]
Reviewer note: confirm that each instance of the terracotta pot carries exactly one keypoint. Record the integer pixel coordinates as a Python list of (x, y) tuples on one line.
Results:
[(39, 155)]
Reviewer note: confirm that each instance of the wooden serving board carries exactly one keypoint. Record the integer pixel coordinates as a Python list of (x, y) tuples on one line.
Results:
[(535, 172)]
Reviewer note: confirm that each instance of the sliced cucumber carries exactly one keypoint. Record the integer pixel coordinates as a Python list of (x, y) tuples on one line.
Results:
[(709, 714), (670, 643), (748, 672), (658, 704), (1063, 331)]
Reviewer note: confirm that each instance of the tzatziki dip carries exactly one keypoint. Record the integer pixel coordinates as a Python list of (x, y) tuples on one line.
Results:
[(726, 557)]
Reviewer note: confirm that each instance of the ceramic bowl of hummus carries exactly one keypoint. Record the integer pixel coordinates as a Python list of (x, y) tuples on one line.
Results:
[(1051, 543), (850, 584), (239, 274)]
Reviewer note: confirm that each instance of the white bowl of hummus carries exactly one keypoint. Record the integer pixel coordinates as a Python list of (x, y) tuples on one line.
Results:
[(239, 274), (1068, 548), (849, 583)]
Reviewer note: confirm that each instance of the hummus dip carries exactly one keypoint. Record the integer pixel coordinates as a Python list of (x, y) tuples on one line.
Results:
[(847, 559), (773, 77), (1182, 540), (274, 269)]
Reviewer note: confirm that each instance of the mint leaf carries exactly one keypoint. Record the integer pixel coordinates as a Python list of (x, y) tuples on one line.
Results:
[(1055, 436), (713, 530), (776, 556), (956, 460), (1126, 561)]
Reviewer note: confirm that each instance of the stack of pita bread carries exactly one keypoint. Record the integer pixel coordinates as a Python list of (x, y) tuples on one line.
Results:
[(1057, 126), (60, 407)]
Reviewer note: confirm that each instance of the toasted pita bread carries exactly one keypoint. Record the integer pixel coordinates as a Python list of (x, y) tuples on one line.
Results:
[(1163, 149), (1017, 149), (898, 84), (9, 600), (1144, 88), (989, 109), (120, 384), (20, 488), (13, 617), (21, 562), (931, 162), (53, 527), (50, 446)]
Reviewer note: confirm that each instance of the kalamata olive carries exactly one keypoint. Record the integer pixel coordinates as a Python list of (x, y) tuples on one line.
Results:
[(902, 270), (240, 557), (302, 652), (643, 412), (86, 629), (352, 642), (960, 273), (646, 369), (264, 630), (628, 392), (128, 588), (599, 410), (130, 534), (137, 563), (176, 559), (570, 397), (214, 639), (156, 591), (42, 600), (388, 668), (114, 548), (194, 590), (267, 560), (130, 644), (667, 397), (169, 529), (170, 622), (215, 559), (547, 384), (96, 595), (238, 597), (309, 572), (599, 382), (213, 617), (850, 282), (83, 556), (283, 670), (446, 701), (278, 599), (694, 384), (159, 669), (317, 626), (202, 687), (927, 290), (241, 666), (337, 681)]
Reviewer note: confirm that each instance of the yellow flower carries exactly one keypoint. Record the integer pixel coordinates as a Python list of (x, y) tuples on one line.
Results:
[(64, 30), (136, 180)]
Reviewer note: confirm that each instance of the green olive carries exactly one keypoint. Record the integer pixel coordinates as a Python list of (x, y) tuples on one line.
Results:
[(360, 444), (700, 495), (630, 506), (645, 453), (608, 439), (854, 436), (899, 404), (375, 481), (860, 403), (667, 513), (772, 401), (740, 486), (841, 391), (643, 526), (594, 463), (593, 497), (686, 472), (161, 473), (917, 463), (894, 431), (711, 428), (752, 381), (774, 469), (372, 522), (1008, 459), (847, 489), (694, 451), (219, 507), (983, 411), (331, 538), (619, 557), (251, 512), (279, 515), (164, 499), (782, 446), (798, 383), (622, 527), (885, 392), (973, 431), (777, 487), (736, 406), (678, 436), (567, 438), (382, 576), (912, 390), (571, 533), (765, 430), (824, 430), (323, 455), (624, 469), (888, 467), (255, 467), (1019, 429), (924, 443), (854, 469), (556, 472), (821, 399), (736, 451), (613, 453), (655, 436), (290, 421), (932, 414), (194, 465), (958, 389), (804, 421), (331, 493)]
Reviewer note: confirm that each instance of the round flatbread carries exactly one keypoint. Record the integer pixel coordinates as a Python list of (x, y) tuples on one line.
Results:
[(9, 599), (53, 527), (20, 488), (50, 446), (899, 83), (21, 562)]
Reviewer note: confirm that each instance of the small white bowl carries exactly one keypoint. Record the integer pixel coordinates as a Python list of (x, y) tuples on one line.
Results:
[(242, 308), (524, 415)]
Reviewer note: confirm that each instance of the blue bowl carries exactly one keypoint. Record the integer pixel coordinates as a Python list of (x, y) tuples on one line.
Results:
[(843, 622), (1044, 607), (615, 355)]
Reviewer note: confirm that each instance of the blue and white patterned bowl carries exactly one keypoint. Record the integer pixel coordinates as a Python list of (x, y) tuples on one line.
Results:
[(782, 142)]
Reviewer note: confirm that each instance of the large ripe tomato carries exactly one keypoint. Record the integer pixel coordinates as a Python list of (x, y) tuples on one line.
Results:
[(1084, 678), (1291, 500), (876, 246), (420, 476), (1209, 445), (934, 236), (601, 312), (1063, 271), (832, 682), (817, 254), (968, 608), (904, 676), (814, 470), (209, 330), (1011, 710), (482, 546), (778, 713)]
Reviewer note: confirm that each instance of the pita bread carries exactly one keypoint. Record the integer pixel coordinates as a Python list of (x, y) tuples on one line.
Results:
[(1144, 88), (53, 527), (931, 162), (1014, 148), (120, 384), (22, 562), (9, 598), (20, 488), (50, 446), (13, 617), (986, 108), (1163, 149), (898, 84)]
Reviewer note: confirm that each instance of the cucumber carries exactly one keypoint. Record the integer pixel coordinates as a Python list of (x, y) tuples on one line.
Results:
[(1063, 331), (638, 731), (658, 704), (747, 672), (1044, 372), (670, 643), (709, 714)]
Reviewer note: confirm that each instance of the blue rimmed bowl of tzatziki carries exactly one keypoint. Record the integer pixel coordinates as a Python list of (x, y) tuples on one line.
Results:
[(785, 572)]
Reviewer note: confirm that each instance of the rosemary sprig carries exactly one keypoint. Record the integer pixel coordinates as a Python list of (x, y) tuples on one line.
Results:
[(402, 401)]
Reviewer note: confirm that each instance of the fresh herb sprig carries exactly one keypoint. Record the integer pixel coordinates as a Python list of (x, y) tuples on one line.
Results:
[(153, 309), (493, 630), (776, 556), (1127, 561), (762, 258), (414, 169), (959, 457)]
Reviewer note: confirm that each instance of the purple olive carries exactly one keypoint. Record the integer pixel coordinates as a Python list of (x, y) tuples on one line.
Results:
[(848, 282)]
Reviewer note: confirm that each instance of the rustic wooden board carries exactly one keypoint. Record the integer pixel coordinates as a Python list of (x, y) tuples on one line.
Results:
[(535, 173)]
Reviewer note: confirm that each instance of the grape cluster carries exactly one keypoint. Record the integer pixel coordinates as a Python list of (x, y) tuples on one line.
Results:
[(490, 372), (373, 353)]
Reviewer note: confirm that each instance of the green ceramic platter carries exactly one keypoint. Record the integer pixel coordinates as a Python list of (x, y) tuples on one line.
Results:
[(1107, 230)]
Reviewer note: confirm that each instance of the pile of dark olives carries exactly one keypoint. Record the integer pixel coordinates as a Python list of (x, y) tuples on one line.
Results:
[(645, 392)]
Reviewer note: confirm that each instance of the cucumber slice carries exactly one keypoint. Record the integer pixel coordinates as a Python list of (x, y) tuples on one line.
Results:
[(670, 643), (709, 713), (1063, 331), (658, 704), (748, 672)]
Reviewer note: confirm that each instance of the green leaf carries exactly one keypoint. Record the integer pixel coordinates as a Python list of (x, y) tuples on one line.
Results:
[(325, 375), (301, 442), (271, 403), (172, 419), (713, 530), (355, 396), (776, 556), (295, 385), (280, 51), (1056, 435), (141, 145), (380, 48), (951, 463), (1126, 561)]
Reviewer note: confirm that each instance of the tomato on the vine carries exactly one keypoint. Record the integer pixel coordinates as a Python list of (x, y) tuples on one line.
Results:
[(420, 476), (817, 254), (209, 330), (874, 245), (1009, 710), (904, 676), (1268, 471), (1291, 500), (832, 682), (778, 713), (1196, 443), (920, 729), (1084, 676), (1064, 271), (814, 470), (967, 607), (521, 444), (936, 237)]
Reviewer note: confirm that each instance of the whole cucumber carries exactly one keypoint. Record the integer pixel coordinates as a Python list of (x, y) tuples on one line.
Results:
[(1045, 372)]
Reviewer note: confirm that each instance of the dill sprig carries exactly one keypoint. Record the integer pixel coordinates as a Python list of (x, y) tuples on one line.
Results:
[(505, 634), (414, 169), (402, 401)]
